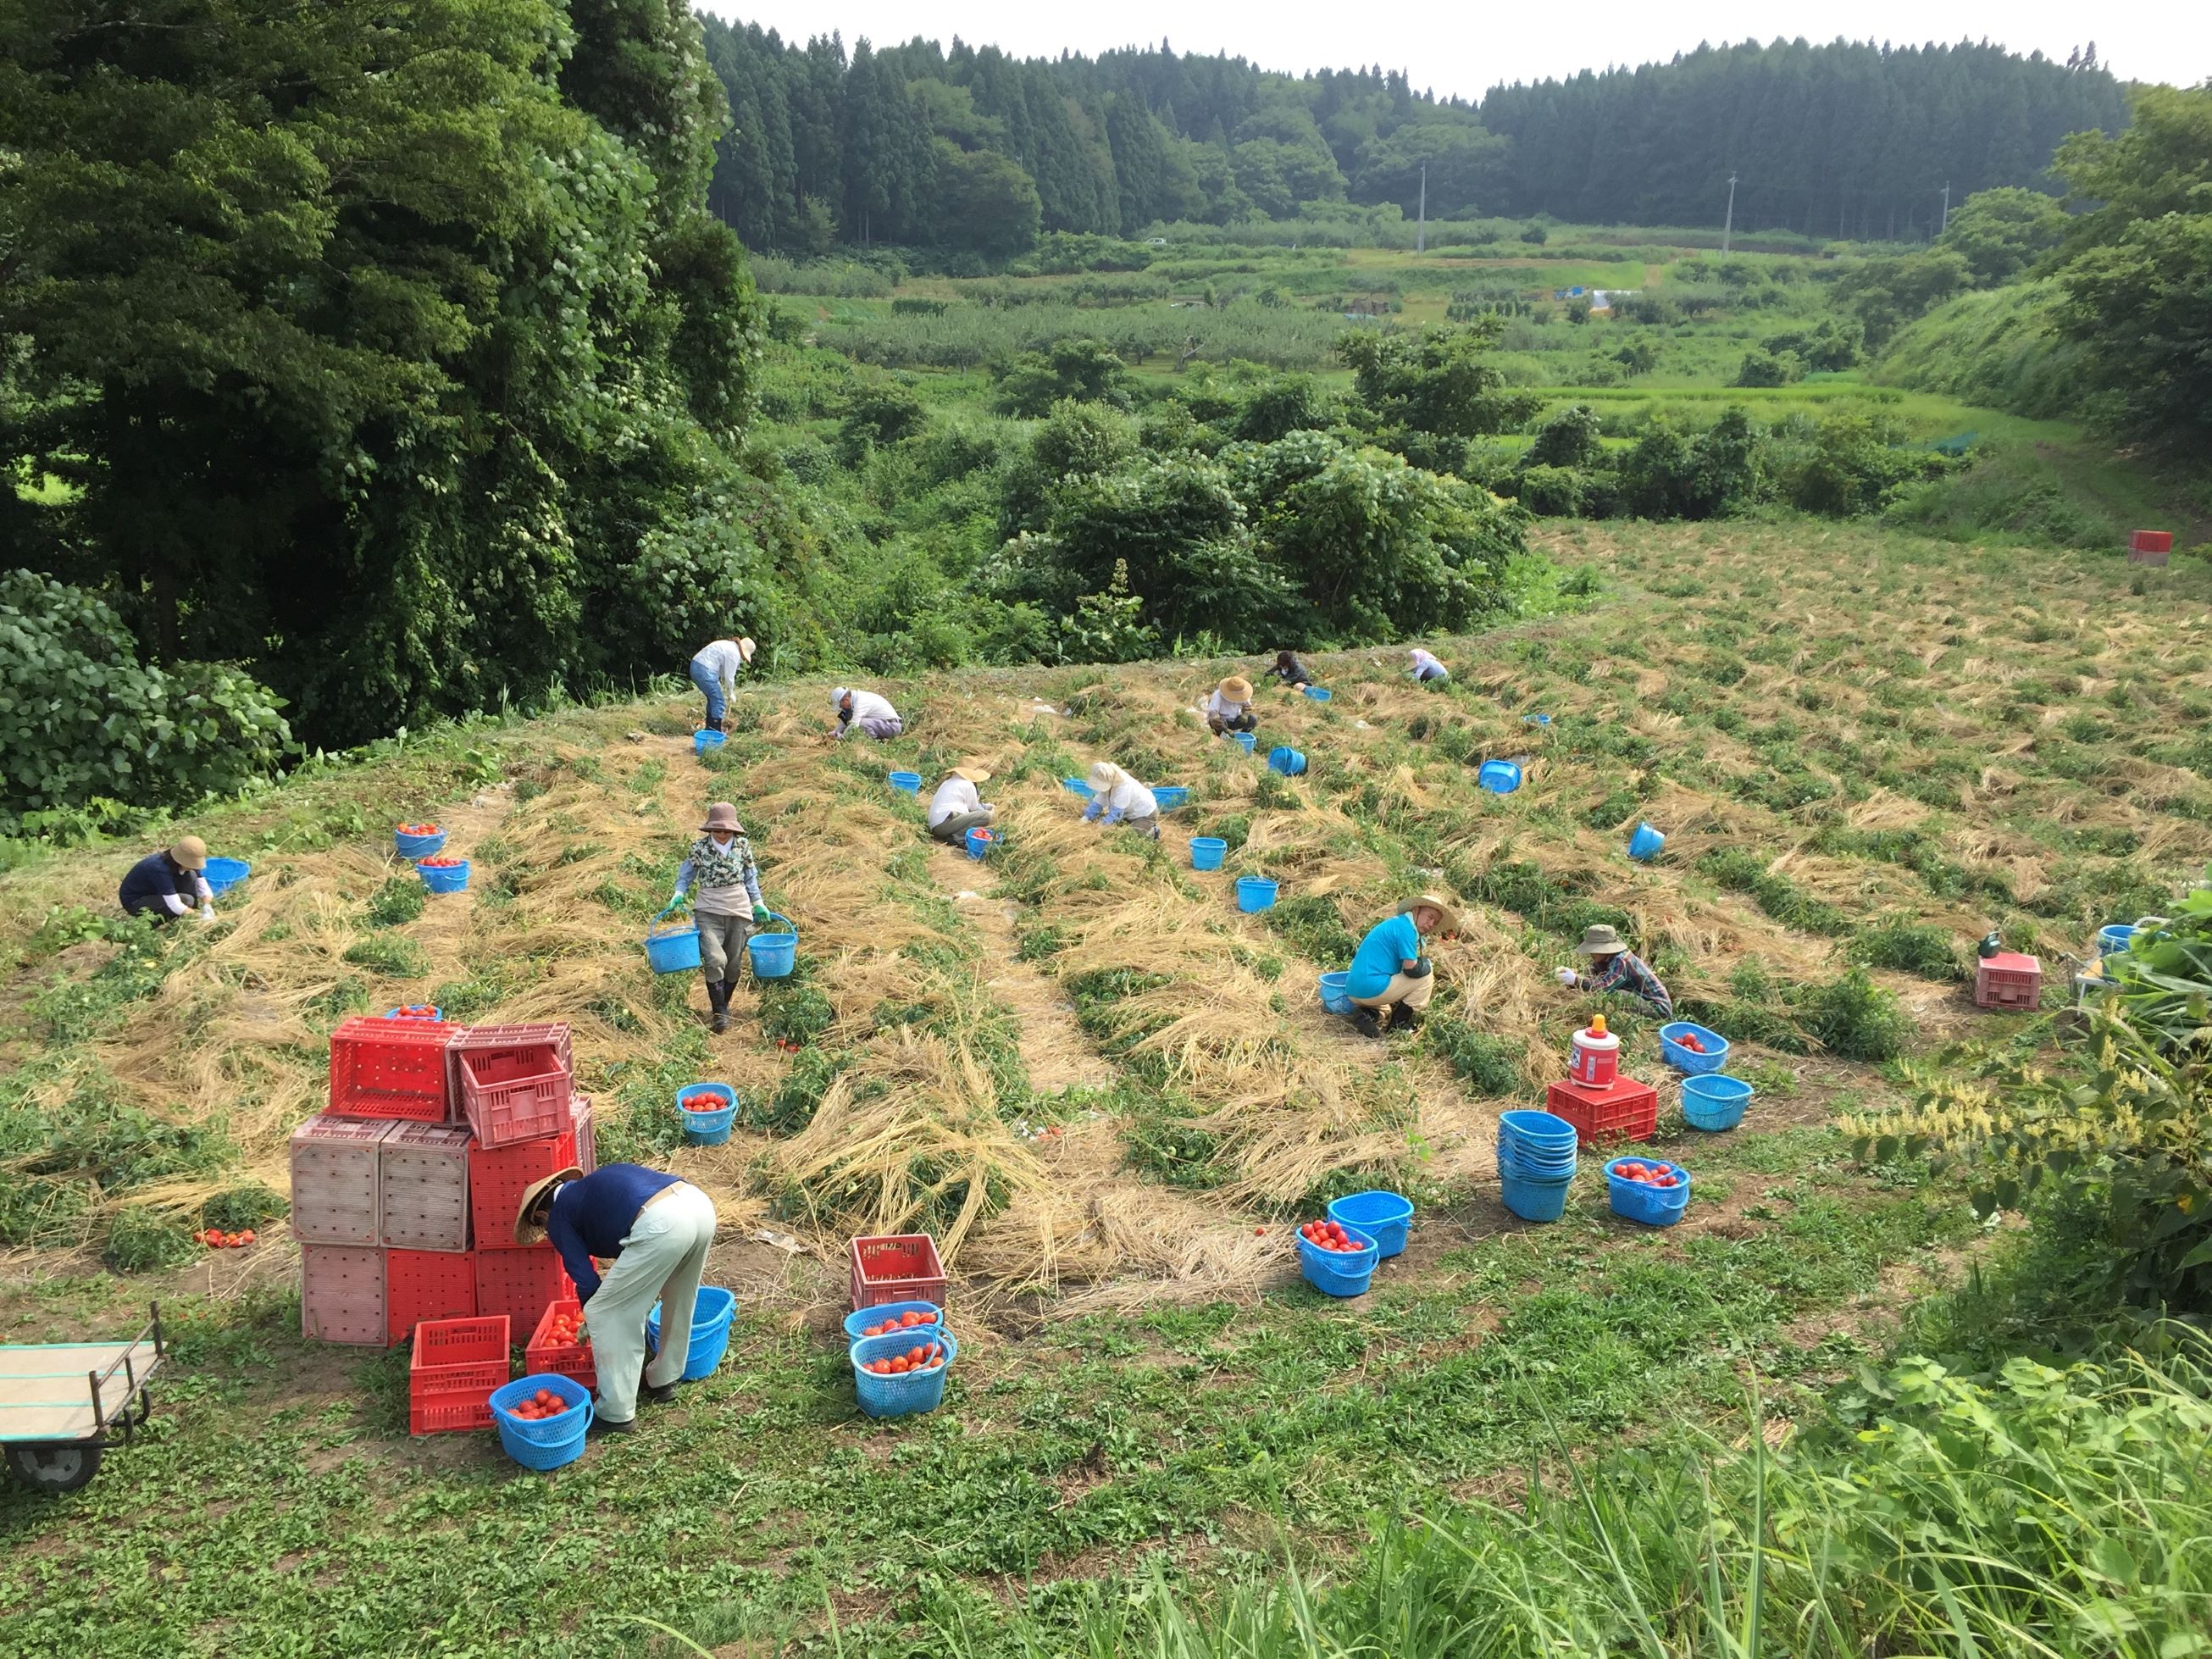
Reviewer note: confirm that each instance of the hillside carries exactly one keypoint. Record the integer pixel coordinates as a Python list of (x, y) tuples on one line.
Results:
[(1101, 1086)]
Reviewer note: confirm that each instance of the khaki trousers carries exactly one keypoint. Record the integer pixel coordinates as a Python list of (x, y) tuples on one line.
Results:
[(661, 1261), (1402, 988)]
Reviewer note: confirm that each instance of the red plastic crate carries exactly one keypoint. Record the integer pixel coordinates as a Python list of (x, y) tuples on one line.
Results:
[(897, 1267), (334, 1180), (519, 1282), (391, 1068), (420, 1284), (2150, 541), (572, 1360), (449, 1413), (458, 1356), (515, 1083), (498, 1176), (342, 1294), (2007, 979), (422, 1184), (1629, 1110)]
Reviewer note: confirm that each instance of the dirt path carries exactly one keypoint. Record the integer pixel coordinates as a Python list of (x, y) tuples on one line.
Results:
[(1055, 1051)]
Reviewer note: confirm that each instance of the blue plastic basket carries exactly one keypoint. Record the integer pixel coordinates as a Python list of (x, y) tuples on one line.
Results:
[(1713, 1102), (1340, 1273), (1538, 1131), (1533, 1199), (1290, 762), (1643, 846), (1319, 693), (672, 950), (1168, 796), (1535, 1164), (710, 1331), (1336, 993), (541, 1442), (1206, 851), (1535, 720), (860, 1318), (412, 847), (774, 955), (1499, 777), (901, 1397), (445, 878), (1254, 894), (1654, 1207), (980, 842), (1384, 1216), (223, 874), (711, 1128), (1689, 1062), (1076, 786), (906, 783), (1246, 740), (435, 1014), (702, 740), (2111, 941)]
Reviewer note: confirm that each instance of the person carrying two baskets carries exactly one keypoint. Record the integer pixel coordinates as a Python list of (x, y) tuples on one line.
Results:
[(728, 906)]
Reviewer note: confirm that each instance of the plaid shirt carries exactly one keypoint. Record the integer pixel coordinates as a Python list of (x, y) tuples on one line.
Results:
[(1628, 973)]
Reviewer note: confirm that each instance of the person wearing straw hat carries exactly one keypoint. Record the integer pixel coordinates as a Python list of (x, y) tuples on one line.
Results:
[(655, 1230), (715, 670), (1117, 797), (1289, 670), (1614, 967), (1423, 667), (1389, 975), (866, 712), (955, 809), (170, 883), (728, 906), (1229, 708)]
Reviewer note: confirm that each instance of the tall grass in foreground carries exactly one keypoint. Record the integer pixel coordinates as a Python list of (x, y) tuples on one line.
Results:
[(2066, 1514)]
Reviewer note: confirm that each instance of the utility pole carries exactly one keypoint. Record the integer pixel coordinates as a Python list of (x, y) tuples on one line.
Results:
[(1728, 230), (1946, 225), (1421, 226)]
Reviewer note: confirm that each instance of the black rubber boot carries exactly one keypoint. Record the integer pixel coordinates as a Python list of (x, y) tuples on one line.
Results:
[(660, 1392), (1364, 1023), (718, 993), (1403, 1019)]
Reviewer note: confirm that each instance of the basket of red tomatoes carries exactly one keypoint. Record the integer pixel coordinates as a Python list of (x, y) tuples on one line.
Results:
[(1337, 1260), (903, 1371), (1648, 1190), (542, 1419)]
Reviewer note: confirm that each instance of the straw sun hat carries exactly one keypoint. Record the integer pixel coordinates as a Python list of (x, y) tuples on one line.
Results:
[(1237, 688), (973, 768), (525, 1231), (1449, 922), (189, 853)]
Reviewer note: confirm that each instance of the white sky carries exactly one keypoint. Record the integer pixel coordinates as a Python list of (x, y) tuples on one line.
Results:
[(1466, 49)]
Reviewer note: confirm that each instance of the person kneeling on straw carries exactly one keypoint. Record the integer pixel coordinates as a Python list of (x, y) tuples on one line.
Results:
[(1614, 967), (655, 1230), (956, 809), (1117, 797), (1389, 975)]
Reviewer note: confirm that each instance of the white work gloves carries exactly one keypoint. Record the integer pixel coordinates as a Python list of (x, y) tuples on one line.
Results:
[(1566, 976)]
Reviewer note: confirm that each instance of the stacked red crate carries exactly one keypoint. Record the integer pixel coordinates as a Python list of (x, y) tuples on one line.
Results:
[(456, 1365)]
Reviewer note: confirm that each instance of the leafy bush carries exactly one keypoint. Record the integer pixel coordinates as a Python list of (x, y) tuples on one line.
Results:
[(1492, 1065), (1910, 948), (399, 900), (81, 716), (1854, 1019), (1568, 437), (141, 1239), (395, 958), (1079, 369)]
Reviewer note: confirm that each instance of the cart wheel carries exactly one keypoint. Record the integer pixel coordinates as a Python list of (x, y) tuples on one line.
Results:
[(55, 1466)]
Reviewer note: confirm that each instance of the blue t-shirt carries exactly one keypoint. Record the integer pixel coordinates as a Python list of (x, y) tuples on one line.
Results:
[(1388, 947)]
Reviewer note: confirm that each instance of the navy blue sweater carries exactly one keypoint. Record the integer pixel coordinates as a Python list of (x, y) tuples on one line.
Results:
[(592, 1216)]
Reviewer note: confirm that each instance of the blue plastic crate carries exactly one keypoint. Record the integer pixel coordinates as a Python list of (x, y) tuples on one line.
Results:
[(1384, 1216), (904, 1395), (1246, 740), (774, 955), (1713, 1103), (1689, 1062), (543, 1443), (1340, 1273)]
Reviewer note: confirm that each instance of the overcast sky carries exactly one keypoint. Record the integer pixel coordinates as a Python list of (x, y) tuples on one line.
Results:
[(1465, 49)]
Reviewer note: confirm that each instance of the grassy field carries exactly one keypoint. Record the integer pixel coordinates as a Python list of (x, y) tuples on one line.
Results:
[(1108, 1093)]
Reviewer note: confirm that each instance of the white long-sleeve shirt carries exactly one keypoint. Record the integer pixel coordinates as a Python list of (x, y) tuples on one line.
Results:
[(1218, 704), (954, 796), (724, 661), (1126, 799), (868, 705)]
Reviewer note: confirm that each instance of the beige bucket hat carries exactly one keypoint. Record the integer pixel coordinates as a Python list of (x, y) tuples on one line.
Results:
[(189, 853), (746, 649), (524, 1232), (1599, 939), (1443, 907)]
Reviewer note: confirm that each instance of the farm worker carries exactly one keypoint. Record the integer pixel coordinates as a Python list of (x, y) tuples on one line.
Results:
[(715, 671), (864, 711), (1389, 972), (954, 810), (1229, 708), (728, 905), (1120, 799), (656, 1229), (1614, 967), (1426, 667), (168, 884), (1289, 670)]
